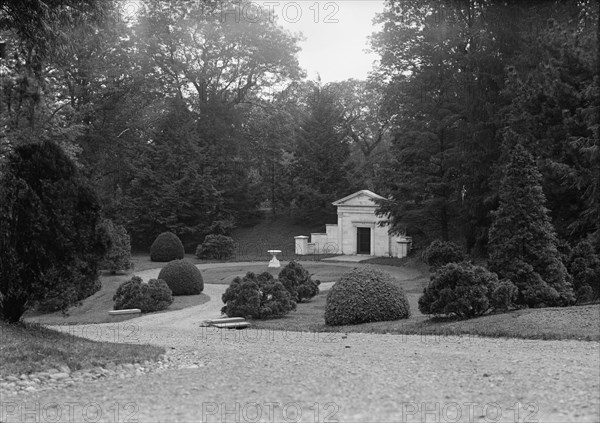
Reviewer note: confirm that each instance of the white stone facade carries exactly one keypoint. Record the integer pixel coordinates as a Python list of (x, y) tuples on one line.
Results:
[(357, 232)]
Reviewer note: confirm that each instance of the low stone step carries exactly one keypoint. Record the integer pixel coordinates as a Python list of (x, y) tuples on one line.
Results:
[(126, 311), (233, 325), (226, 320)]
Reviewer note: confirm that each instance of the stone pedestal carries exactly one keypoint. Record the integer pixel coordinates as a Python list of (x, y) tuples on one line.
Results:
[(274, 262)]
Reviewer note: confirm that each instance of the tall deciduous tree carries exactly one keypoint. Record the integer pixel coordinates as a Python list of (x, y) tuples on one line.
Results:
[(523, 243)]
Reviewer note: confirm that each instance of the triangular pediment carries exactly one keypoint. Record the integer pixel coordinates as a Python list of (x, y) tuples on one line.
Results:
[(359, 198)]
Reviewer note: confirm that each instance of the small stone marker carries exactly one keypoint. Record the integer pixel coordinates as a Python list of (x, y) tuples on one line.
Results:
[(126, 311), (228, 323), (274, 262)]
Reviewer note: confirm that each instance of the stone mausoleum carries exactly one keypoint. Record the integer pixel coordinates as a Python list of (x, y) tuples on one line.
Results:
[(357, 232)]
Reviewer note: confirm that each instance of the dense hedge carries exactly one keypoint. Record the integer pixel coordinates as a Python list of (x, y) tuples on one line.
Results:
[(584, 265), (218, 247), (118, 256), (152, 296), (465, 291), (365, 295), (182, 277), (298, 282), (50, 242), (440, 253), (257, 297), (166, 247)]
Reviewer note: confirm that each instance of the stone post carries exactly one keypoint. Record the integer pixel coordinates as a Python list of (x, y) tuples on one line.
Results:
[(301, 243)]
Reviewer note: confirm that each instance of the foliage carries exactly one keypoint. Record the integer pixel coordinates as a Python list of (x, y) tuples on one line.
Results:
[(365, 295), (49, 238), (463, 290), (182, 277), (218, 247), (166, 247), (319, 168), (523, 244), (584, 266), (118, 256), (504, 295), (257, 297), (440, 253), (298, 282), (155, 295)]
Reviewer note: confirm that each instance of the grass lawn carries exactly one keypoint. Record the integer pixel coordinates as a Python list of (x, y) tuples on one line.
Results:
[(27, 348)]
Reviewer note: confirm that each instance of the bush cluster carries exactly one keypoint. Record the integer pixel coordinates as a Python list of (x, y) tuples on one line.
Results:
[(440, 253), (257, 297), (118, 256), (584, 265), (217, 247), (166, 247), (298, 282), (182, 277), (365, 295), (152, 296), (465, 291)]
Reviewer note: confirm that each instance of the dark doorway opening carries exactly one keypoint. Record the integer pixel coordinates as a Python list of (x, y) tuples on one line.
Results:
[(363, 240)]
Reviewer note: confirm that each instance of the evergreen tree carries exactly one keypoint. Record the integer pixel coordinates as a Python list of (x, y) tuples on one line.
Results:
[(523, 243), (320, 170), (50, 244)]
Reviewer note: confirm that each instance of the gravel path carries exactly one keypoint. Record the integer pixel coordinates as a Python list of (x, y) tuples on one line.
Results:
[(276, 376)]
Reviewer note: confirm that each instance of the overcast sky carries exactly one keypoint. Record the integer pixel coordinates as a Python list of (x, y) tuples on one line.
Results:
[(336, 37)]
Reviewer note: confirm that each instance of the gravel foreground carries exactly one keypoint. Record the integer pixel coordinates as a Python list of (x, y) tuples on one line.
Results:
[(213, 375)]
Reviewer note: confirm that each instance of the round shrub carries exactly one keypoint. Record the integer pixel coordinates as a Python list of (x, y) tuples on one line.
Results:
[(298, 282), (440, 253), (182, 277), (365, 295), (257, 297), (218, 247), (166, 247), (152, 296), (460, 289)]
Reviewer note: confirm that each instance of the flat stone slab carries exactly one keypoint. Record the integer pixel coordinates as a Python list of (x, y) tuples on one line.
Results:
[(232, 325), (226, 320), (124, 312)]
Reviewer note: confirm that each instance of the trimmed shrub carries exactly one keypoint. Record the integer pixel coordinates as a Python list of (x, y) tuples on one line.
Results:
[(182, 277), (298, 282), (166, 247), (118, 256), (152, 296), (257, 297), (461, 289), (440, 253), (365, 295), (218, 247)]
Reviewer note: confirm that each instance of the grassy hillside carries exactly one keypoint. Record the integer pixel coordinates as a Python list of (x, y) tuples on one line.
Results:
[(272, 233)]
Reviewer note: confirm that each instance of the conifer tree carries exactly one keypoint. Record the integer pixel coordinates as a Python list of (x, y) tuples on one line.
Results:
[(523, 242)]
